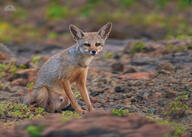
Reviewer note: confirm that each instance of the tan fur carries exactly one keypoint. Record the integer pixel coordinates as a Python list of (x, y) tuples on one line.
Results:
[(52, 90)]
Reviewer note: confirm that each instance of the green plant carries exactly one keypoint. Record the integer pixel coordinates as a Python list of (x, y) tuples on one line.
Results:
[(22, 66), (179, 36), (120, 112), (57, 11), (52, 35), (30, 85), (126, 3), (172, 48), (68, 115), (12, 33), (11, 68), (77, 95), (176, 106), (20, 13), (86, 10), (137, 47), (108, 55), (36, 59), (20, 111), (162, 3), (184, 3), (1, 85), (3, 67), (184, 97), (35, 130), (179, 130)]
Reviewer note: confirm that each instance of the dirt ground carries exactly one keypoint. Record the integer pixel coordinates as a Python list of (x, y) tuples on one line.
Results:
[(154, 80)]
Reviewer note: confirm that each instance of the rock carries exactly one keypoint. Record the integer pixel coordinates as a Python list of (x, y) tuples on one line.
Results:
[(96, 93), (144, 94), (142, 61), (119, 89), (117, 57), (93, 125), (22, 61), (157, 95), (130, 70), (138, 75), (166, 66), (117, 67)]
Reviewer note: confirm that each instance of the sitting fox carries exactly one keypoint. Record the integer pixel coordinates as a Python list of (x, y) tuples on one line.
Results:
[(52, 90)]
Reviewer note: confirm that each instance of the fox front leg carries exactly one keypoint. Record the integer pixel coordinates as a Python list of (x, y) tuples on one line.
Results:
[(81, 83), (69, 93)]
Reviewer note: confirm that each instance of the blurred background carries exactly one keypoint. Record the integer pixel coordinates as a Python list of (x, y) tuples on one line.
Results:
[(46, 21)]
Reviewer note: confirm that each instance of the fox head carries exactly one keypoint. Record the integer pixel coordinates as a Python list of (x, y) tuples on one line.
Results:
[(90, 43), (57, 102)]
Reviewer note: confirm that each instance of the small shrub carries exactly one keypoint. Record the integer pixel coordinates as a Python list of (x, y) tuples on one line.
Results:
[(1, 85), (12, 68), (52, 35), (137, 47), (77, 95), (36, 59), (126, 3), (22, 66), (108, 55), (162, 3), (86, 10), (68, 115), (30, 85), (19, 111), (173, 48), (57, 11), (35, 131), (179, 129), (120, 112), (178, 107), (184, 3), (3, 67)]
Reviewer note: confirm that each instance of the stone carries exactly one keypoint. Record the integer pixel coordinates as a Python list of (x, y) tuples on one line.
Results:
[(119, 89), (138, 76), (118, 67), (95, 124)]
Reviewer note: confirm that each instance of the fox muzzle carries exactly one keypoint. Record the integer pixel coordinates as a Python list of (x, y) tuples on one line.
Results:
[(93, 52)]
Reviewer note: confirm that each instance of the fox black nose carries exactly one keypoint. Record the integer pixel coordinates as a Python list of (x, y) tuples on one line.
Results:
[(93, 52)]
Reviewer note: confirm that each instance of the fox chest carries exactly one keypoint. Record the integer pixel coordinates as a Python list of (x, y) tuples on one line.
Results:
[(75, 74)]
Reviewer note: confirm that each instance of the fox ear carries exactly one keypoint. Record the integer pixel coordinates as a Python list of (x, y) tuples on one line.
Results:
[(76, 32), (105, 30)]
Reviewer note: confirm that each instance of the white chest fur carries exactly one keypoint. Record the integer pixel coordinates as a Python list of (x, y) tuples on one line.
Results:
[(86, 60)]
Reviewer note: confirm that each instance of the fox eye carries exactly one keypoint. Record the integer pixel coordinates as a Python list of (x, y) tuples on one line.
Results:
[(87, 44), (97, 44), (61, 99)]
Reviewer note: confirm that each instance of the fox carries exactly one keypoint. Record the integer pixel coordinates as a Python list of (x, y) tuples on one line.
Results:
[(52, 89)]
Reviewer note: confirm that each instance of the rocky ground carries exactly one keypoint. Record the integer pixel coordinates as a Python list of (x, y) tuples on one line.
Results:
[(149, 78), (105, 126)]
